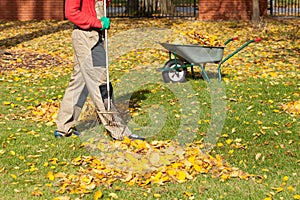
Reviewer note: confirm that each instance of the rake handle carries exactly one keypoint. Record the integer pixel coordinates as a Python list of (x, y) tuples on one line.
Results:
[(106, 61)]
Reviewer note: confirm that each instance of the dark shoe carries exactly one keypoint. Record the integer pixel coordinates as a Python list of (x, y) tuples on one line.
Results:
[(135, 137), (58, 134)]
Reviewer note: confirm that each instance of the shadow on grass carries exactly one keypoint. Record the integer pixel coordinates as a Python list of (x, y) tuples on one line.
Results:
[(212, 74), (14, 41), (123, 104), (130, 101), (15, 24)]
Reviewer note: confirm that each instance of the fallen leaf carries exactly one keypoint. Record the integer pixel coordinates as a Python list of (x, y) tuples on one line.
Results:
[(98, 195)]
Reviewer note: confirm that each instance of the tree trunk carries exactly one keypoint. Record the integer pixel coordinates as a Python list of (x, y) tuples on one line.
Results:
[(149, 6), (255, 15), (166, 7)]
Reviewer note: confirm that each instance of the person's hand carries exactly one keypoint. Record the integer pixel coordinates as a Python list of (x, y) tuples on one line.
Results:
[(105, 21)]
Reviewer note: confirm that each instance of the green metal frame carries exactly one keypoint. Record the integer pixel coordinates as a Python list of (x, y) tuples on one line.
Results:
[(176, 59)]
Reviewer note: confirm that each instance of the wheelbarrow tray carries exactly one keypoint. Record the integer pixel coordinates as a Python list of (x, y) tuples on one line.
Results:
[(196, 54)]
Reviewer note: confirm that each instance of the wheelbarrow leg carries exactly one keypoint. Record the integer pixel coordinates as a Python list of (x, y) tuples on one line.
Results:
[(219, 73), (204, 74), (193, 73)]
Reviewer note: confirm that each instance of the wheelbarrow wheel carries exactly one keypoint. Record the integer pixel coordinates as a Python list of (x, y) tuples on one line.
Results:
[(170, 74)]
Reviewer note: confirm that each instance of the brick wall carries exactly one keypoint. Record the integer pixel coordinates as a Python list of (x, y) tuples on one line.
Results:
[(31, 9), (229, 9)]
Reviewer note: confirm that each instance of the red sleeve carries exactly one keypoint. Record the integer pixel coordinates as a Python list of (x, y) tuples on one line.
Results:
[(80, 18)]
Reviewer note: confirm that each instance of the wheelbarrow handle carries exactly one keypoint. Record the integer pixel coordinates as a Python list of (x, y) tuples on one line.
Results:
[(235, 52), (239, 49), (257, 39), (231, 39)]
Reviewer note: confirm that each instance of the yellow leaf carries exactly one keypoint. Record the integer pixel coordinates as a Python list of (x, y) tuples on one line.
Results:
[(297, 196), (30, 108), (156, 177), (268, 198), (126, 140), (188, 194), (37, 193), (98, 195), (291, 188), (191, 159), (279, 189), (198, 168), (77, 161), (6, 103), (273, 74), (50, 176), (259, 122), (135, 114), (219, 144), (156, 195), (171, 172), (229, 141), (181, 175), (225, 177), (13, 176), (285, 178), (117, 188)]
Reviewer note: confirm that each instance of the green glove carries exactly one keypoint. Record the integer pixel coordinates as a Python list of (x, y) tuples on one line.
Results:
[(105, 23)]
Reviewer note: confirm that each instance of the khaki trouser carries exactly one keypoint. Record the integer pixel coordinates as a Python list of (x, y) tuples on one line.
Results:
[(88, 75)]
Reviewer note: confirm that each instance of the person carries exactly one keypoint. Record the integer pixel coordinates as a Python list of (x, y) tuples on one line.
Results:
[(89, 72)]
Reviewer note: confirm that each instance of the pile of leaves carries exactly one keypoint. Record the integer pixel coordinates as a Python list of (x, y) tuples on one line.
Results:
[(44, 112), (11, 60), (140, 163), (196, 37)]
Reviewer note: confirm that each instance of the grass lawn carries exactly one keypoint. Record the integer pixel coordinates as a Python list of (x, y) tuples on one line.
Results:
[(251, 118)]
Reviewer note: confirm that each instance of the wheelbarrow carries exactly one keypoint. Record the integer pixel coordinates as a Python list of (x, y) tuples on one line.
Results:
[(183, 56)]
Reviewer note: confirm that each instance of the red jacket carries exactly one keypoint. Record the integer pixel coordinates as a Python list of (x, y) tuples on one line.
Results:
[(85, 17)]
